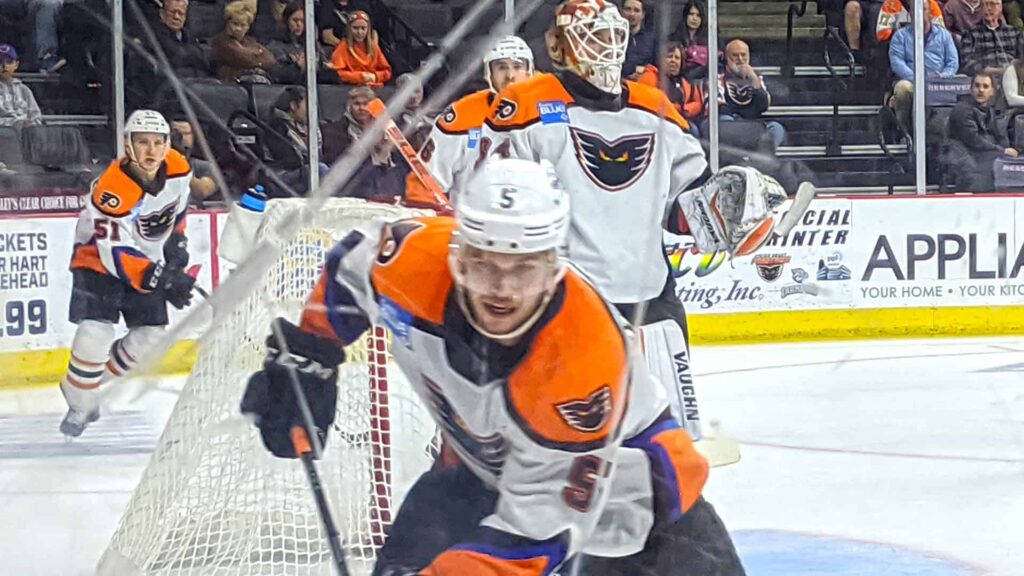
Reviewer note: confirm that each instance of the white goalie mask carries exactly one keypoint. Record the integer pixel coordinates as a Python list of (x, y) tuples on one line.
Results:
[(508, 48), (512, 222), (590, 37)]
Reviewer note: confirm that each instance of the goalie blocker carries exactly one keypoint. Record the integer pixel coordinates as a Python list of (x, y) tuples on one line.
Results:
[(562, 451)]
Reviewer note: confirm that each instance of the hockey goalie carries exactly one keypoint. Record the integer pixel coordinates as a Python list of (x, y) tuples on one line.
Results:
[(566, 455)]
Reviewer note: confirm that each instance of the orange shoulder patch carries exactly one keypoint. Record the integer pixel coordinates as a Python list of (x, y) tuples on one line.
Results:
[(517, 105), (570, 391), (115, 194), (652, 99), (177, 165), (466, 113), (412, 265)]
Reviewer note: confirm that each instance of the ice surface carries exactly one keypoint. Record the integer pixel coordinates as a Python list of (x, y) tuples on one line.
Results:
[(859, 458)]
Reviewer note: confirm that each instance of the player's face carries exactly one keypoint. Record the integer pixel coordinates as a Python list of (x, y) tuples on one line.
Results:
[(297, 24), (506, 72), (504, 290), (673, 62), (149, 150), (359, 30)]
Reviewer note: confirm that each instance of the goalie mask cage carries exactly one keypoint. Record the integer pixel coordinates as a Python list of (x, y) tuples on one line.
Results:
[(213, 501)]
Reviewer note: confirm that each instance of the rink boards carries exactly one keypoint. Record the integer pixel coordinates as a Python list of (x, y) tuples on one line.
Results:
[(853, 268)]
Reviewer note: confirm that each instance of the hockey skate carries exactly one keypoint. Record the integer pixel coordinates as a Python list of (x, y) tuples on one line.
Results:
[(75, 422)]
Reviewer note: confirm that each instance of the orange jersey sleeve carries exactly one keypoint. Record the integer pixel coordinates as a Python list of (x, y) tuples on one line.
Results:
[(518, 105), (572, 397)]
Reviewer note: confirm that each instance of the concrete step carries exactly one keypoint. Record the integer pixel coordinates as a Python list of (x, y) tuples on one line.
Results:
[(770, 32), (749, 7)]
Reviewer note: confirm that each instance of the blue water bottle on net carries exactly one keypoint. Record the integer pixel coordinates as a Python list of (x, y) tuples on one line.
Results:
[(239, 235)]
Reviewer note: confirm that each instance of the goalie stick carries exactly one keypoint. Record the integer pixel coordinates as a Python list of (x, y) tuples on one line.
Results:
[(799, 204), (422, 190)]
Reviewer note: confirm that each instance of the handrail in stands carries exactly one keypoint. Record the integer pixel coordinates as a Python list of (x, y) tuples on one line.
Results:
[(402, 41), (834, 148), (795, 11)]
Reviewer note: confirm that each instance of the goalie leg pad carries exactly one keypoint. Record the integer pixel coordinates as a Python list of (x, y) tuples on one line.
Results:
[(89, 350), (668, 359)]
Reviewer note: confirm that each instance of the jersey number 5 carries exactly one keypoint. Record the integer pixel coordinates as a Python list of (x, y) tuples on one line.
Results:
[(586, 470)]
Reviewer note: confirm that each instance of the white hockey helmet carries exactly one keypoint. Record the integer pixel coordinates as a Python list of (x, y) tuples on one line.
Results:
[(508, 48), (513, 206), (146, 121), (590, 37)]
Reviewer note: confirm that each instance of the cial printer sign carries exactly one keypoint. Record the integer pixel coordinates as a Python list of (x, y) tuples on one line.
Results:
[(870, 253)]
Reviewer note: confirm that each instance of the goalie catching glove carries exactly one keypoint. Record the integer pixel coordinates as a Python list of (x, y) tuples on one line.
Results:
[(270, 397), (734, 211)]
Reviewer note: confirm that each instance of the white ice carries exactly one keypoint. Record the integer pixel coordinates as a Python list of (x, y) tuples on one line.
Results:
[(915, 447)]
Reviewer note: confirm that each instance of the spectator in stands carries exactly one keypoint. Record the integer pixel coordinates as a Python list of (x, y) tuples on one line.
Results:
[(991, 46), (339, 135), (416, 130), (896, 13), (977, 136), (742, 92), (686, 97), (17, 104), (940, 59), (289, 48), (642, 49), (333, 18), (184, 54), (290, 148), (358, 59), (857, 16), (202, 186), (961, 17), (44, 14), (692, 35), (238, 56)]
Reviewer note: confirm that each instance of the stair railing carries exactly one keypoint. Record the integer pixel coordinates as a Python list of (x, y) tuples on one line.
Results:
[(795, 11), (834, 147), (402, 42)]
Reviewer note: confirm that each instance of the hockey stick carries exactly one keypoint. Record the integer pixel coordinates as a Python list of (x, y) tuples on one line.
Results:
[(801, 201), (300, 440), (436, 198)]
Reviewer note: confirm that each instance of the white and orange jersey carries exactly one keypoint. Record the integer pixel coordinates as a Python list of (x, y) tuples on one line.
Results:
[(545, 423), (622, 162), (452, 147), (123, 228)]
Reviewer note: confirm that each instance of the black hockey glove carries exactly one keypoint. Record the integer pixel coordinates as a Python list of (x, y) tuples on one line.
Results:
[(176, 251), (270, 397), (173, 283)]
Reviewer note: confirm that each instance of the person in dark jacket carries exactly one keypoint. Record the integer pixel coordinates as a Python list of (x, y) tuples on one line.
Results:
[(692, 34), (742, 94), (977, 136), (289, 146), (289, 48), (238, 56), (185, 55), (642, 49)]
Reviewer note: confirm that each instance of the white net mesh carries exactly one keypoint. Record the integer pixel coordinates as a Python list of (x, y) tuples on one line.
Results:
[(212, 500)]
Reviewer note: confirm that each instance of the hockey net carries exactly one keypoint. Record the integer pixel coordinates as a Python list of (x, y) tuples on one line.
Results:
[(213, 501)]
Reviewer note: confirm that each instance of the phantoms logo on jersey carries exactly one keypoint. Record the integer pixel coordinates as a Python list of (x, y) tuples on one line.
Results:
[(155, 225), (614, 165), (393, 237), (589, 414)]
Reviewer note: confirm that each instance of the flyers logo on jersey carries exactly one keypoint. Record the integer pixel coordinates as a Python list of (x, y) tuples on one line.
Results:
[(506, 109), (448, 117), (614, 165), (110, 200), (589, 414), (155, 225), (394, 235)]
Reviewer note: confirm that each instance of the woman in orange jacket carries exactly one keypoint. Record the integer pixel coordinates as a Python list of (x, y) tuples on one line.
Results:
[(358, 59), (686, 97)]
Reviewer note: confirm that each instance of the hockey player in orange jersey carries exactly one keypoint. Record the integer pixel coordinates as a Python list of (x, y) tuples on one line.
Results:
[(128, 262), (564, 442), (634, 169), (451, 149)]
